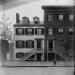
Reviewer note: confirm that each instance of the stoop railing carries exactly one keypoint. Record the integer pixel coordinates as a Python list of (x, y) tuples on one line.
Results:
[(30, 53)]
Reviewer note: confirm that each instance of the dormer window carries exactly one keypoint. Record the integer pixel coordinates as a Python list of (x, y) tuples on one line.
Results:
[(36, 20), (50, 31), (25, 20)]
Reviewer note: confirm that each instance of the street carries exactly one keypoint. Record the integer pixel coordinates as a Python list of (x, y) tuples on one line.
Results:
[(36, 70)]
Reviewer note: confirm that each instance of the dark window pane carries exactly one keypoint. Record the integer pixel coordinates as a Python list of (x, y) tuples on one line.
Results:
[(19, 55), (50, 31)]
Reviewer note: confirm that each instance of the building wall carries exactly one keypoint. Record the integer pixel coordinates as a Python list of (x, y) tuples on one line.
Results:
[(25, 38)]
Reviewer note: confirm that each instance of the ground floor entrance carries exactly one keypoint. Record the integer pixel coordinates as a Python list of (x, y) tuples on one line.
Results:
[(38, 56)]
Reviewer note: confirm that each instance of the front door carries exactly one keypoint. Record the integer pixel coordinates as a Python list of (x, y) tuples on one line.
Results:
[(38, 56), (39, 45)]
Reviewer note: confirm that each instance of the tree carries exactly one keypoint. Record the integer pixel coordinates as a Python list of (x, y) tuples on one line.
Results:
[(5, 28)]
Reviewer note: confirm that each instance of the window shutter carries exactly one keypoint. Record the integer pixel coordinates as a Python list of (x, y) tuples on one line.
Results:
[(42, 31), (26, 32), (35, 31), (32, 44), (32, 31), (26, 44)]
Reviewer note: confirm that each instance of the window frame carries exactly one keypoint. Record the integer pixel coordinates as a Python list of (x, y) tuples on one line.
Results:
[(28, 45), (17, 44), (29, 33), (36, 31), (60, 17), (17, 32), (50, 19)]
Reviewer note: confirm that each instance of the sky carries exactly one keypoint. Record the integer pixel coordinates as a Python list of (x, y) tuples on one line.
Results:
[(33, 8)]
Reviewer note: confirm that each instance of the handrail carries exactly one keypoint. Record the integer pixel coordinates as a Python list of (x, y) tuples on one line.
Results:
[(30, 52)]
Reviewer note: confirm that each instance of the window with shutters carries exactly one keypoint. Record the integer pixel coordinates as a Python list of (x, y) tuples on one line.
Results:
[(19, 31), (29, 44), (30, 31), (39, 31), (20, 44)]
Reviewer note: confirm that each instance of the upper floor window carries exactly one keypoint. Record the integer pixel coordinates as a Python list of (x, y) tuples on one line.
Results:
[(60, 17), (71, 30), (71, 17), (19, 31), (30, 44), (39, 31), (50, 17), (20, 44), (60, 31), (29, 31), (50, 31)]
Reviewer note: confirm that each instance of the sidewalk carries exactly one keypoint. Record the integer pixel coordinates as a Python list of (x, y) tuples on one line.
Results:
[(38, 64)]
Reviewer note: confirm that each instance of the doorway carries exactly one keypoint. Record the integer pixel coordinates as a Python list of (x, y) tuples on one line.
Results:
[(50, 45), (51, 56), (39, 45), (38, 56)]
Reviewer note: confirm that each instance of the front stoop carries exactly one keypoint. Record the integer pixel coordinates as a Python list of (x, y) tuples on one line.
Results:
[(38, 64)]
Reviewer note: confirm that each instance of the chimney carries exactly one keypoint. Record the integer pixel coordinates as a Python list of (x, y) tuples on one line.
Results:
[(17, 18)]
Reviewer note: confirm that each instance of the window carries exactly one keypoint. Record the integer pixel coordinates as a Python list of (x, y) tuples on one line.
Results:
[(19, 31), (39, 31), (71, 17), (25, 20), (50, 44), (30, 44), (29, 31), (50, 18), (19, 55), (60, 17), (36, 20), (50, 31), (20, 44), (60, 31), (71, 30)]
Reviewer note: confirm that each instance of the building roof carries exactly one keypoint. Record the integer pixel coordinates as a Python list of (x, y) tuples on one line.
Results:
[(30, 24), (70, 8)]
